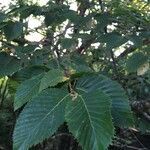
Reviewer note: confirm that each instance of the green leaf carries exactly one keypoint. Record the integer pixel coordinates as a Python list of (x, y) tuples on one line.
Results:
[(72, 16), (2, 17), (40, 57), (56, 14), (12, 86), (137, 40), (136, 61), (89, 119), (2, 25), (102, 21), (40, 118), (76, 63), (28, 72), (27, 90), (8, 64), (51, 18), (13, 30), (112, 40), (26, 11), (54, 18), (52, 78), (68, 42), (25, 50), (52, 64), (121, 112)]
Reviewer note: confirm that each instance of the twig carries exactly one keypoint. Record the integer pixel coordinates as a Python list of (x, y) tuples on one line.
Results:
[(132, 49), (126, 52), (86, 45), (114, 64), (64, 32), (138, 140), (146, 116), (101, 5), (131, 147)]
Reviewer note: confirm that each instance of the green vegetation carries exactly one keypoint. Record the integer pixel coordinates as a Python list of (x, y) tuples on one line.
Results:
[(87, 78)]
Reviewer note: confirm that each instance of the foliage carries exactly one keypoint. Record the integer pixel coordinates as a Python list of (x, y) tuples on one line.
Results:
[(86, 70), (136, 61)]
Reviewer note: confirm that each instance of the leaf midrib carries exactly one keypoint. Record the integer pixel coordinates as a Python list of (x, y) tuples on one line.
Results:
[(89, 118)]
